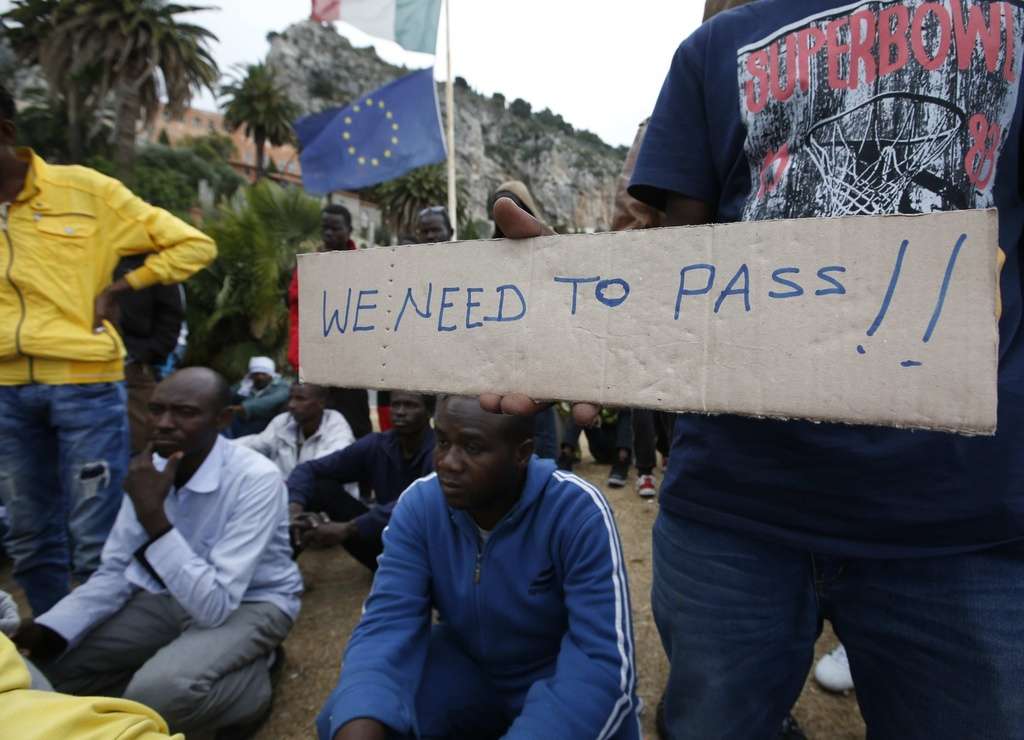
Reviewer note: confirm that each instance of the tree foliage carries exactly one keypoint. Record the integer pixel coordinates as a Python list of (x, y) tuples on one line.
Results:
[(402, 199), (43, 125), (170, 177), (549, 118), (236, 308), (133, 50), (256, 100), (215, 146), (520, 108)]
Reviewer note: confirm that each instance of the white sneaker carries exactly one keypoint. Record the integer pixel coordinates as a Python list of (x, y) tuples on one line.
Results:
[(645, 486), (833, 672)]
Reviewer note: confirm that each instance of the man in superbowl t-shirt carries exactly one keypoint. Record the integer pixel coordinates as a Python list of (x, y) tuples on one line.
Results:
[(910, 543)]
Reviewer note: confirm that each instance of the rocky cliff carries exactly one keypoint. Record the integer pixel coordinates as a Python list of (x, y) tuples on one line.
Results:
[(572, 174)]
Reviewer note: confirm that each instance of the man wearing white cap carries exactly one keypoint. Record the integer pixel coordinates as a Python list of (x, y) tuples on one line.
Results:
[(258, 398)]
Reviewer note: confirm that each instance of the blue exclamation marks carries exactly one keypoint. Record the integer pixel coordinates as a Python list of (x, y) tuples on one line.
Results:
[(939, 303)]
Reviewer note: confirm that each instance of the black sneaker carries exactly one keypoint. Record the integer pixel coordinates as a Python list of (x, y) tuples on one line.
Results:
[(620, 473)]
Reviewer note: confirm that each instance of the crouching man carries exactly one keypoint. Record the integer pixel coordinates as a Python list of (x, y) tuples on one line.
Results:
[(324, 513), (196, 588), (524, 566)]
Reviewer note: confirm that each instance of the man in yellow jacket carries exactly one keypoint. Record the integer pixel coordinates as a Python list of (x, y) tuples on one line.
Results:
[(44, 715), (63, 425)]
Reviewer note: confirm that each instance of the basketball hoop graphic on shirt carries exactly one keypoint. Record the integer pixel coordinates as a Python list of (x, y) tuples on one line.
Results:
[(879, 106), (868, 156)]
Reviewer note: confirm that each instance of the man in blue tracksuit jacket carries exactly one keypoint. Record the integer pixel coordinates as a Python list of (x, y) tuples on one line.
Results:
[(523, 564)]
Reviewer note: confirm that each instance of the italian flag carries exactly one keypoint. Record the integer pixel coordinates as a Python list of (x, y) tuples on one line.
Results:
[(410, 23)]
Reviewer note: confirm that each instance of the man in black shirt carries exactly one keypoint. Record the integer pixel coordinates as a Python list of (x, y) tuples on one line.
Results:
[(150, 323)]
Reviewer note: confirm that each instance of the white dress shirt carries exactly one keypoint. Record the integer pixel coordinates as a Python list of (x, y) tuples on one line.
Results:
[(229, 544), (280, 442)]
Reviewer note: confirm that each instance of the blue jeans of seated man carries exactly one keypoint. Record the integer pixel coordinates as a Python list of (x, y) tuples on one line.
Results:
[(936, 645), (63, 457), (456, 700)]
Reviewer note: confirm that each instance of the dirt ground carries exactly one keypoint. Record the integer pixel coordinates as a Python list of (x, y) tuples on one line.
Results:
[(336, 587)]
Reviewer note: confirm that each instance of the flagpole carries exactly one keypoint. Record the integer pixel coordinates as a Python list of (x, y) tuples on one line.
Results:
[(450, 104)]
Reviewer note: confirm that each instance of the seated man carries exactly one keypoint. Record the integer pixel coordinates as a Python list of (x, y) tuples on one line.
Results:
[(306, 431), (257, 399), (390, 460), (524, 566), (197, 587)]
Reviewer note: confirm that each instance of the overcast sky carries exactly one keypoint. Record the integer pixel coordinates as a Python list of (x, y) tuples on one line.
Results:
[(599, 64)]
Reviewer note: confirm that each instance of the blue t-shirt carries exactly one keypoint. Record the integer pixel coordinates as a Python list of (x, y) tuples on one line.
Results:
[(783, 109)]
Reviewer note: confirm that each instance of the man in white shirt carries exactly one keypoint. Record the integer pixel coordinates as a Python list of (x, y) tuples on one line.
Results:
[(307, 431), (197, 587)]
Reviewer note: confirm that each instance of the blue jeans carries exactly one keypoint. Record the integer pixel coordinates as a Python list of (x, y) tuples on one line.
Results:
[(936, 645), (63, 457)]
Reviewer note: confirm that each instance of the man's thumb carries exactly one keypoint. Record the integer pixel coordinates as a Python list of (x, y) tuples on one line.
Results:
[(516, 223)]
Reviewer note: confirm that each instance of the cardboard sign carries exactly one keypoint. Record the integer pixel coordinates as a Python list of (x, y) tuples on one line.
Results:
[(866, 320)]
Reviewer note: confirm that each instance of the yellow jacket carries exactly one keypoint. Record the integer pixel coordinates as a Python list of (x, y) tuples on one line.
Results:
[(61, 240), (44, 715)]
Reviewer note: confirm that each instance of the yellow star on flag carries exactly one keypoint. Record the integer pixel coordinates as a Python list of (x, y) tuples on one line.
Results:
[(371, 105)]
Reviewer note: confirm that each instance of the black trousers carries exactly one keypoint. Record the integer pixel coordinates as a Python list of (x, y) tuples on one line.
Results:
[(334, 501), (605, 441), (652, 433)]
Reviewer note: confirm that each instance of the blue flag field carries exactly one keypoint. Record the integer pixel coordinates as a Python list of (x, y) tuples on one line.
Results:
[(380, 136)]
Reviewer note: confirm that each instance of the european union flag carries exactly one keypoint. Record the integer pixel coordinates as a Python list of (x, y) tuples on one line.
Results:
[(381, 136)]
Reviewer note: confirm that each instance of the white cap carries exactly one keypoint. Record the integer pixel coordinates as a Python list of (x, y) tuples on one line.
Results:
[(261, 365)]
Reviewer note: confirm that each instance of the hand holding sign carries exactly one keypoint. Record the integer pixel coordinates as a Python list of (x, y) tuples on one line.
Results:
[(518, 224)]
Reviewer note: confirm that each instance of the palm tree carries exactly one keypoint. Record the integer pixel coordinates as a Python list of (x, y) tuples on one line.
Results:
[(44, 124), (138, 44), (29, 26), (255, 100), (135, 49), (234, 307), (403, 198)]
